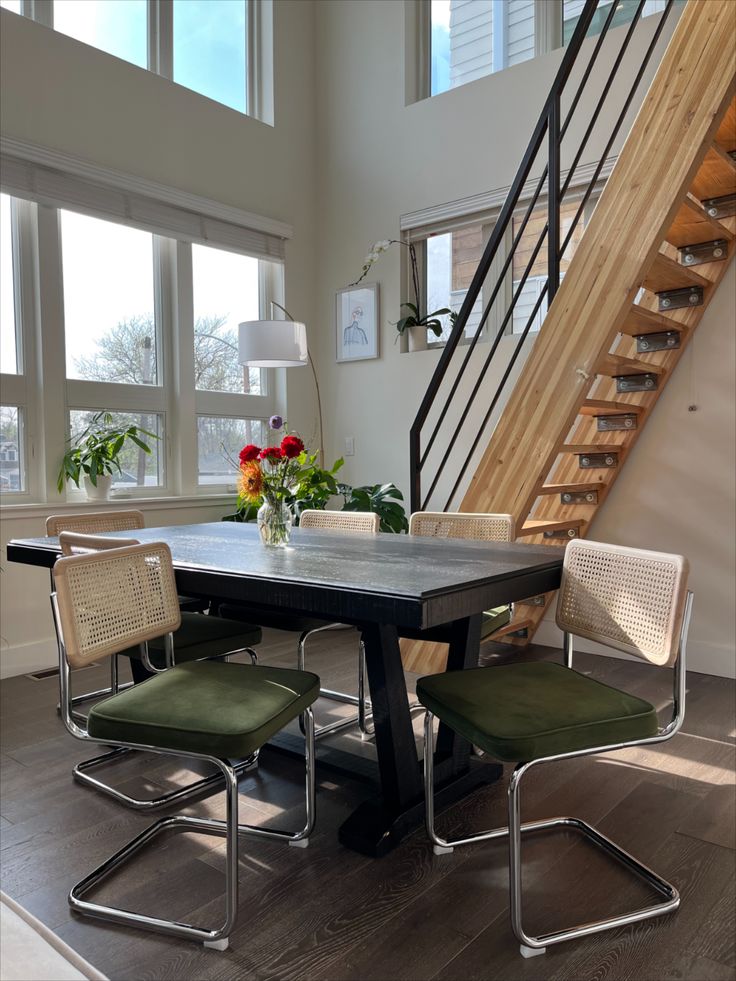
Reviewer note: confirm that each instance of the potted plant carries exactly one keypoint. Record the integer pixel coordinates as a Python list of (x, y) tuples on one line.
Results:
[(94, 454), (415, 323)]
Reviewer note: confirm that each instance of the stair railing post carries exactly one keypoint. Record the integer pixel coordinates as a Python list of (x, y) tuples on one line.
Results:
[(553, 199)]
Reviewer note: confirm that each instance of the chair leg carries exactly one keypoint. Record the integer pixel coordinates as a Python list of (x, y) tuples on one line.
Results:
[(229, 829), (337, 696), (531, 945), (217, 938)]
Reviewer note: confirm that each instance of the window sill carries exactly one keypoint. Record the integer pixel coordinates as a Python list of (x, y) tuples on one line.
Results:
[(31, 510)]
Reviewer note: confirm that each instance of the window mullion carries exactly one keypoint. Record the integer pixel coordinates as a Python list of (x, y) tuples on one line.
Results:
[(161, 37), (51, 402), (180, 334)]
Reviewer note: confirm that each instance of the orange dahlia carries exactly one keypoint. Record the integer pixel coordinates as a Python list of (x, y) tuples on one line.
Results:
[(250, 482)]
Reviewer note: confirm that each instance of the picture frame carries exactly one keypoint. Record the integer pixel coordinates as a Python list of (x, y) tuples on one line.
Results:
[(356, 323)]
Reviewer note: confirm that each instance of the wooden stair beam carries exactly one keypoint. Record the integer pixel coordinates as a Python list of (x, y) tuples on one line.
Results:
[(508, 628), (675, 125), (693, 225), (537, 526), (716, 176), (616, 366), (588, 449), (668, 274), (602, 407), (639, 320), (580, 488)]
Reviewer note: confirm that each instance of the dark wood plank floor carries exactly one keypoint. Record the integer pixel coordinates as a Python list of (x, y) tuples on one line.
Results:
[(328, 913)]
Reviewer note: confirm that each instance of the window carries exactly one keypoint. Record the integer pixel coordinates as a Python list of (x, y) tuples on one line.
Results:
[(451, 261), (210, 49), (12, 469), (219, 440), (136, 324), (8, 342), (225, 288), (139, 469), (624, 14), (109, 302), (119, 27), (218, 48), (473, 38)]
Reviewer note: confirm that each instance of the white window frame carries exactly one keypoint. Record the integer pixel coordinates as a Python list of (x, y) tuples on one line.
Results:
[(41, 388), (259, 94)]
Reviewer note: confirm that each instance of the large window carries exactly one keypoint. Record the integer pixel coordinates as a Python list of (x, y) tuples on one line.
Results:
[(218, 48), (116, 26), (135, 324)]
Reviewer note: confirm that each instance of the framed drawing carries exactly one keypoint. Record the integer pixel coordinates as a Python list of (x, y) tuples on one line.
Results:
[(356, 322)]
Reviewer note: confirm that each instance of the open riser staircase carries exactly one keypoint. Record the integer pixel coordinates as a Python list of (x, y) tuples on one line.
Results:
[(645, 269)]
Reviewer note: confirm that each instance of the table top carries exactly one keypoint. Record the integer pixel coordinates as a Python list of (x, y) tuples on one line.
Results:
[(401, 579)]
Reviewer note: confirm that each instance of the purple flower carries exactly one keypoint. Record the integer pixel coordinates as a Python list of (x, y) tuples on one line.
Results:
[(275, 422)]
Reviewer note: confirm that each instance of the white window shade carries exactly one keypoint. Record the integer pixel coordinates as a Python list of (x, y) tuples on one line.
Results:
[(63, 182)]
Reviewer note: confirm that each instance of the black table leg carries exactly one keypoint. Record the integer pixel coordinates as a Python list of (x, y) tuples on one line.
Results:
[(379, 824)]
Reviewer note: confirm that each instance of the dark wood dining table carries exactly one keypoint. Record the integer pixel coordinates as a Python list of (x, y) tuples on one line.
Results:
[(387, 586)]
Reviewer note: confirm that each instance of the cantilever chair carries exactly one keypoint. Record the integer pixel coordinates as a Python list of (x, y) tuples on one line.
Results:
[(344, 522), (198, 637), (628, 599), (470, 527), (215, 711)]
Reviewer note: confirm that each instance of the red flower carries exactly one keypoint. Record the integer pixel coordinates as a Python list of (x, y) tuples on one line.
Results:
[(249, 452), (271, 453), (291, 446)]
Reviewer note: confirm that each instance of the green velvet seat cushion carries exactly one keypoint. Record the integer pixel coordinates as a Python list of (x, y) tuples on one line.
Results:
[(201, 636), (270, 618), (227, 710), (522, 712)]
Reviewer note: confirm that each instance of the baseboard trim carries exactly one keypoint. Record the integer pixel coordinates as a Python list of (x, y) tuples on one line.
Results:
[(25, 658)]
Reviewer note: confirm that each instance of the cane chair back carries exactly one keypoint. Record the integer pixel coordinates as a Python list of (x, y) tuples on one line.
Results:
[(349, 522), (74, 542), (626, 598), (94, 522), (111, 600), (473, 527)]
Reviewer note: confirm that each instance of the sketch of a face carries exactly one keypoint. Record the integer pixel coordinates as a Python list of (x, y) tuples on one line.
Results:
[(354, 333)]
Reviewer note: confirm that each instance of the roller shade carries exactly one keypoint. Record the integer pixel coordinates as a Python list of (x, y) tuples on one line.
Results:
[(182, 216)]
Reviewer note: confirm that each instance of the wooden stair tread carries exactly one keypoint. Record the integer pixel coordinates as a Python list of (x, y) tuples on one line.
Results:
[(602, 407), (615, 366), (726, 135), (588, 448), (508, 628), (639, 320), (693, 225), (593, 485), (536, 526), (716, 176), (668, 274)]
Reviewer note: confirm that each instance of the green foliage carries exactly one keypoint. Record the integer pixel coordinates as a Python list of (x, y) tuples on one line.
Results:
[(380, 498), (430, 320), (96, 450)]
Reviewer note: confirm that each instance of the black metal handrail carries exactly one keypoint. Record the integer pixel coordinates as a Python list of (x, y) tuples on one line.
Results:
[(550, 130)]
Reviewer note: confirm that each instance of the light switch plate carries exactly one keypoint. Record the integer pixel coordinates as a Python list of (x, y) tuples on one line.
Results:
[(349, 446)]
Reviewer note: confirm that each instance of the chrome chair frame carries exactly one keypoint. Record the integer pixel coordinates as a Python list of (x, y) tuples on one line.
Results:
[(531, 945), (230, 828), (81, 771)]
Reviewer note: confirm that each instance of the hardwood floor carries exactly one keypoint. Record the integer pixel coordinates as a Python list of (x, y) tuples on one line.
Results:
[(328, 913)]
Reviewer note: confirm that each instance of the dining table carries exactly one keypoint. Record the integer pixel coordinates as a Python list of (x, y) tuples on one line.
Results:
[(388, 586)]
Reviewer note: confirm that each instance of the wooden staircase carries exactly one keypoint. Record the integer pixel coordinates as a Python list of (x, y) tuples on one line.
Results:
[(649, 262), (650, 342)]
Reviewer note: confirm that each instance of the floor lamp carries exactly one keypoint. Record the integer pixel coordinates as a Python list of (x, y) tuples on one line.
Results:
[(278, 344)]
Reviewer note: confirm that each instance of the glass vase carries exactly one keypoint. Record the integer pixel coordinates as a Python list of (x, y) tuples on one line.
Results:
[(274, 524)]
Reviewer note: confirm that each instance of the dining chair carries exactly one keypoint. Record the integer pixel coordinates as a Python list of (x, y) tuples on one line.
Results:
[(470, 527), (627, 599), (343, 522), (198, 637), (107, 601)]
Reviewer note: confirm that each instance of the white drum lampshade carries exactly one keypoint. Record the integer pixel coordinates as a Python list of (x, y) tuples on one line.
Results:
[(272, 343)]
